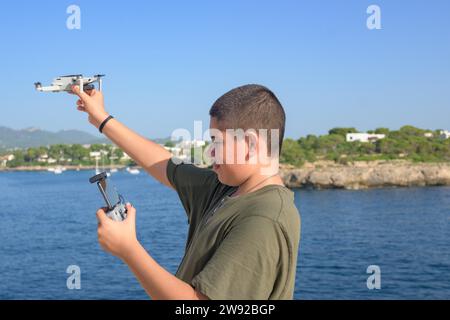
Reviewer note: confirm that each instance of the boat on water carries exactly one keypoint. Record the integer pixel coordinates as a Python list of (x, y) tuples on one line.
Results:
[(112, 170), (133, 171), (57, 170), (97, 169)]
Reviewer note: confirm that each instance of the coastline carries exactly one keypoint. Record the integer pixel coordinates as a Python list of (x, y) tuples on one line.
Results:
[(68, 168), (330, 175)]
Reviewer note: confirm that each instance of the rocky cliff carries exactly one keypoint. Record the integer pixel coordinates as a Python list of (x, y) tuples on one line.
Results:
[(361, 175)]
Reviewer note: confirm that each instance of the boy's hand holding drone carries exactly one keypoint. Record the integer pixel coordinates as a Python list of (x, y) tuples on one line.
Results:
[(91, 102)]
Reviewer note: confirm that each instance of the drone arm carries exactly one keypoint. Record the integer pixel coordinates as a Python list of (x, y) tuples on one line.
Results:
[(48, 89)]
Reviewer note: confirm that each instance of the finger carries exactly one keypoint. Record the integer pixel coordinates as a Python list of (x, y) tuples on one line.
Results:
[(131, 211), (101, 216), (90, 92), (83, 95), (80, 105)]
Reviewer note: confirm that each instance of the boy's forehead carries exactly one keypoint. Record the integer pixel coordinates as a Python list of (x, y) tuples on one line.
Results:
[(217, 130), (213, 123)]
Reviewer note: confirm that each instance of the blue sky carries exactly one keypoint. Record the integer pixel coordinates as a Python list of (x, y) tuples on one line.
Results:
[(166, 62)]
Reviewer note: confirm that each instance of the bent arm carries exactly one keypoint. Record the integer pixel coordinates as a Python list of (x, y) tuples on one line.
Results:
[(149, 155)]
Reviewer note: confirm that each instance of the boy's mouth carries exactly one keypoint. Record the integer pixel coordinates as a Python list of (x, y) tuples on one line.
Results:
[(216, 166)]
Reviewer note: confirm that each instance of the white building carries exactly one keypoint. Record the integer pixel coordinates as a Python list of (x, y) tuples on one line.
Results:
[(176, 151), (428, 134), (125, 157), (43, 158), (187, 144), (4, 159), (95, 154), (364, 137), (444, 134)]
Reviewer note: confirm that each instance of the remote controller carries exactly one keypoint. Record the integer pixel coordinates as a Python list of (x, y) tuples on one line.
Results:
[(116, 207)]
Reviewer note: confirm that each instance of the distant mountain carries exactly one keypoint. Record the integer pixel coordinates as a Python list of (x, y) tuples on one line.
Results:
[(35, 137), (164, 140)]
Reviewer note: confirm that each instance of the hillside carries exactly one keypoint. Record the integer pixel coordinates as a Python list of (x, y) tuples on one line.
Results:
[(35, 137)]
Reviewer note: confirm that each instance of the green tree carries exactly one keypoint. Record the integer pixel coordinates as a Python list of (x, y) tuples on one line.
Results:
[(292, 153), (382, 131), (169, 144), (342, 131)]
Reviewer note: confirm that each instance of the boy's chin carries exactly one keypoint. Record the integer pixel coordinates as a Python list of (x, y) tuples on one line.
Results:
[(225, 179), (230, 175), (217, 168)]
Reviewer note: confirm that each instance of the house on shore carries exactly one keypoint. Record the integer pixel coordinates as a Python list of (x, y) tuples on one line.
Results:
[(444, 134), (4, 159), (364, 137)]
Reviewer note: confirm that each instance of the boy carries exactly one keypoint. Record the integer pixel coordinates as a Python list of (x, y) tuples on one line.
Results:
[(244, 229)]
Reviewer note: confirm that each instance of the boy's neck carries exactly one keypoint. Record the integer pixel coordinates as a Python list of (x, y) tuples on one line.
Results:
[(256, 182)]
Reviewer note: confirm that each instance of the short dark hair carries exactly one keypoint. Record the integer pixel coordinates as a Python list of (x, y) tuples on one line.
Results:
[(250, 106)]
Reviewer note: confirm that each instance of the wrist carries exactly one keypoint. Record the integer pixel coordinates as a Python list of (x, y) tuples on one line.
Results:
[(130, 251), (98, 118)]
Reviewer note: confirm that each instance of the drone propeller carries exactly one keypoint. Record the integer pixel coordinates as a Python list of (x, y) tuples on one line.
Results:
[(72, 76)]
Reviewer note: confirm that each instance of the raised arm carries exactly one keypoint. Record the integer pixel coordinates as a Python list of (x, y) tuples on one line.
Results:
[(149, 155)]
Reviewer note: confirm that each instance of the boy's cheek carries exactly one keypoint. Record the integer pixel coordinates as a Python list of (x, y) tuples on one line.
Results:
[(228, 157), (218, 156)]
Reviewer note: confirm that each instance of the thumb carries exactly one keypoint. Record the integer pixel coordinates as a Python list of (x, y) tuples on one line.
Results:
[(131, 211), (101, 216), (83, 95)]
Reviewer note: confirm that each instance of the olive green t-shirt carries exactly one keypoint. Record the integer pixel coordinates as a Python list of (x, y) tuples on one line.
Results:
[(247, 247)]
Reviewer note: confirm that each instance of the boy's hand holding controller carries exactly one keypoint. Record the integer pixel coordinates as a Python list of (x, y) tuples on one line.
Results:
[(117, 237)]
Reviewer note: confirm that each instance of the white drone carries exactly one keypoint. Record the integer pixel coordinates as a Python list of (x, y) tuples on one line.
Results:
[(65, 83)]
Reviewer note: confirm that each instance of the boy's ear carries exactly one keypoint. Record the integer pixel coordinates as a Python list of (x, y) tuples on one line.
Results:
[(251, 145), (252, 142)]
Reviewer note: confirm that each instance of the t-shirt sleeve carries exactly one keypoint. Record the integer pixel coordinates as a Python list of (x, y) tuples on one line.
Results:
[(194, 186), (246, 263)]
